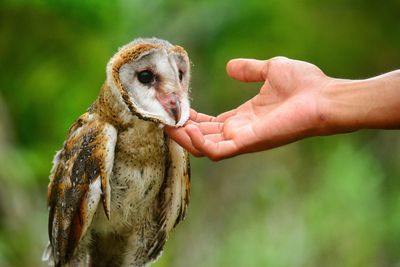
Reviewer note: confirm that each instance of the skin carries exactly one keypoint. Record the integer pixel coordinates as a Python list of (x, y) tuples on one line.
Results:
[(297, 100)]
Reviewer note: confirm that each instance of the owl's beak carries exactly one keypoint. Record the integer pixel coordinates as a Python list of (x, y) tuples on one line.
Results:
[(171, 105), (176, 111)]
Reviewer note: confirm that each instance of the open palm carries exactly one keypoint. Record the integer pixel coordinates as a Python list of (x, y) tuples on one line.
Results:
[(283, 111)]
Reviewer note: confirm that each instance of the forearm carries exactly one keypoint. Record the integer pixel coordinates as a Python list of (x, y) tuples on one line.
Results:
[(362, 104)]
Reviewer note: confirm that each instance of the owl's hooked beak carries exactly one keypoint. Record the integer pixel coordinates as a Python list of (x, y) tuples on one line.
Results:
[(171, 105), (176, 111)]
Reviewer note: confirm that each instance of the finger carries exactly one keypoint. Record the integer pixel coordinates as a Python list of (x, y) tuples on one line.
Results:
[(200, 117), (213, 150), (197, 117), (211, 127), (180, 136), (223, 116), (247, 70)]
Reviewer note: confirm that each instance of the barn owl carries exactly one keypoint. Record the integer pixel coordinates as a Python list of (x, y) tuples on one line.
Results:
[(119, 185)]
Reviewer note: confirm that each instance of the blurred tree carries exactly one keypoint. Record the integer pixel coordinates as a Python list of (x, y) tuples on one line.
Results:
[(330, 201)]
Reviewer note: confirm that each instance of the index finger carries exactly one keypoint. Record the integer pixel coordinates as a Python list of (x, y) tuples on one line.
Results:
[(200, 117)]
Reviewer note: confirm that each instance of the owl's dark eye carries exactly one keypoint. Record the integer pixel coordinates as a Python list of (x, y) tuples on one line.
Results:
[(145, 76), (180, 75)]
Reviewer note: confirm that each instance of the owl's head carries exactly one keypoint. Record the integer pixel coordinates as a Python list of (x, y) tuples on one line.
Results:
[(152, 77)]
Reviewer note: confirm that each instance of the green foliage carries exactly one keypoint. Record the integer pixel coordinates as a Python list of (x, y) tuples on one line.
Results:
[(329, 201)]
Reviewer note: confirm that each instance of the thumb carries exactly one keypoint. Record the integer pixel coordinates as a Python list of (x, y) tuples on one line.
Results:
[(247, 70)]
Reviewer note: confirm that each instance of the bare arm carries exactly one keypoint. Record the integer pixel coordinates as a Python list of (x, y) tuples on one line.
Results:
[(297, 100), (362, 104)]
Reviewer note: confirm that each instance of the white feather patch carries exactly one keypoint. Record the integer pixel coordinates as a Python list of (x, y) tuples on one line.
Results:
[(111, 135), (93, 198)]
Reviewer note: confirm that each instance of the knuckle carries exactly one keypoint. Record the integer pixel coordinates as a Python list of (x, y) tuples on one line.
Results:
[(246, 72), (275, 64), (279, 59)]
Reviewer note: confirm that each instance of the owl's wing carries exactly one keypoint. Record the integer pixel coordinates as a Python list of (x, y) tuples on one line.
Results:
[(175, 196), (79, 178)]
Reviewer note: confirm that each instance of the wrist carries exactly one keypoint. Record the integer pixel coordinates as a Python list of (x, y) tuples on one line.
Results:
[(350, 105), (342, 109)]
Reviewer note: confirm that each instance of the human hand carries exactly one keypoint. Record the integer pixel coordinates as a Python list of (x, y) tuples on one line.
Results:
[(285, 110)]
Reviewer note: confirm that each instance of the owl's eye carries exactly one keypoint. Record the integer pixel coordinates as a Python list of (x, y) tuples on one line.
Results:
[(180, 75), (145, 76)]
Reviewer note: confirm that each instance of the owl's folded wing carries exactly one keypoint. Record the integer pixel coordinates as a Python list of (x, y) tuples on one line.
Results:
[(174, 197), (78, 180)]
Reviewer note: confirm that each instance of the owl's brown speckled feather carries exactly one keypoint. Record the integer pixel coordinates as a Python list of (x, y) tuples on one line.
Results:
[(117, 154)]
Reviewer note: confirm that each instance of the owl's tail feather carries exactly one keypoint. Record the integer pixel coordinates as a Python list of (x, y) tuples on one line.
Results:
[(48, 255)]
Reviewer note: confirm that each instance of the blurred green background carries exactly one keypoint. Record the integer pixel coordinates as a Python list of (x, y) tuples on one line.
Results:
[(331, 201)]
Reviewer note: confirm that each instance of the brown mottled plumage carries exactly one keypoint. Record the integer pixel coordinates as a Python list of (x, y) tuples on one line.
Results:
[(117, 154)]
